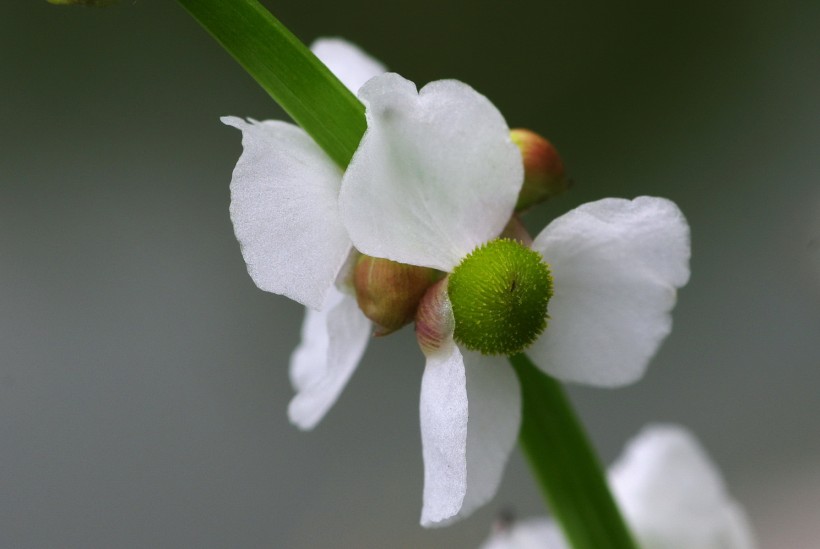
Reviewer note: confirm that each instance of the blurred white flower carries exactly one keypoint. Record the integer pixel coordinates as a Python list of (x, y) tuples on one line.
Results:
[(671, 496)]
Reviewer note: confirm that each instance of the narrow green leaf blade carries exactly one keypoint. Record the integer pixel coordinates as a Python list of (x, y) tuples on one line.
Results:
[(287, 70), (565, 464)]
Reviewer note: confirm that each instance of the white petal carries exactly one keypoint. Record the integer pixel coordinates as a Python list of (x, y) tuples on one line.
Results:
[(284, 211), (494, 405), (534, 533), (434, 176), (494, 411), (616, 265), (333, 341), (347, 61), (443, 414), (672, 495)]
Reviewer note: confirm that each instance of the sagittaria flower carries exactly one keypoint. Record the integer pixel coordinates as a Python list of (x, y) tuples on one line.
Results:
[(671, 495), (433, 183)]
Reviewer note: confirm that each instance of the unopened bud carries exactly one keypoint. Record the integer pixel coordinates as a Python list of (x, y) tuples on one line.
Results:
[(388, 292), (543, 169), (434, 318)]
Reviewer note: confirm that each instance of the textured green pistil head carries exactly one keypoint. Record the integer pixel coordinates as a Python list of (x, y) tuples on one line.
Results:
[(499, 294)]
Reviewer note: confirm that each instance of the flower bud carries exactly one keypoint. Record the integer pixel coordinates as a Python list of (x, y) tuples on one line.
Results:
[(499, 295), (388, 292), (434, 318), (543, 169)]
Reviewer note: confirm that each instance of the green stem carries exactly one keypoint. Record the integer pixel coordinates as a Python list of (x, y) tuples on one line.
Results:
[(565, 465), (288, 71)]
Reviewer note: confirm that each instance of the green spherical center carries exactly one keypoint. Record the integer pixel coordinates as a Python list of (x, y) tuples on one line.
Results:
[(499, 294)]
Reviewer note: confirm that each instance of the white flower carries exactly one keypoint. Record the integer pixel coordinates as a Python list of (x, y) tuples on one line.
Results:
[(671, 496), (285, 215), (434, 177)]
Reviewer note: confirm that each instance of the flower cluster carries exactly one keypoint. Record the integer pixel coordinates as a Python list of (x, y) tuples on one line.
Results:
[(671, 495), (432, 186)]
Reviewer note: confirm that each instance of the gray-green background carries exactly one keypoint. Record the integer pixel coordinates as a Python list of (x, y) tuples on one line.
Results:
[(143, 382)]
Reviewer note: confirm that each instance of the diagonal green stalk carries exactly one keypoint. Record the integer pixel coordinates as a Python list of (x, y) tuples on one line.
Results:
[(563, 461), (287, 70), (555, 444)]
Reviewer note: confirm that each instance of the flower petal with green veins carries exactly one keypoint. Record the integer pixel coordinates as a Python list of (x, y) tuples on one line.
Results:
[(435, 175)]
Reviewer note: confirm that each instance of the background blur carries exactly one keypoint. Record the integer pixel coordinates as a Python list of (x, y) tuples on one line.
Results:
[(143, 377)]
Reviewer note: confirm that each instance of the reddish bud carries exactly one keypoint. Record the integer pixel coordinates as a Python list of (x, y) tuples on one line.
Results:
[(434, 318), (388, 292), (543, 169)]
